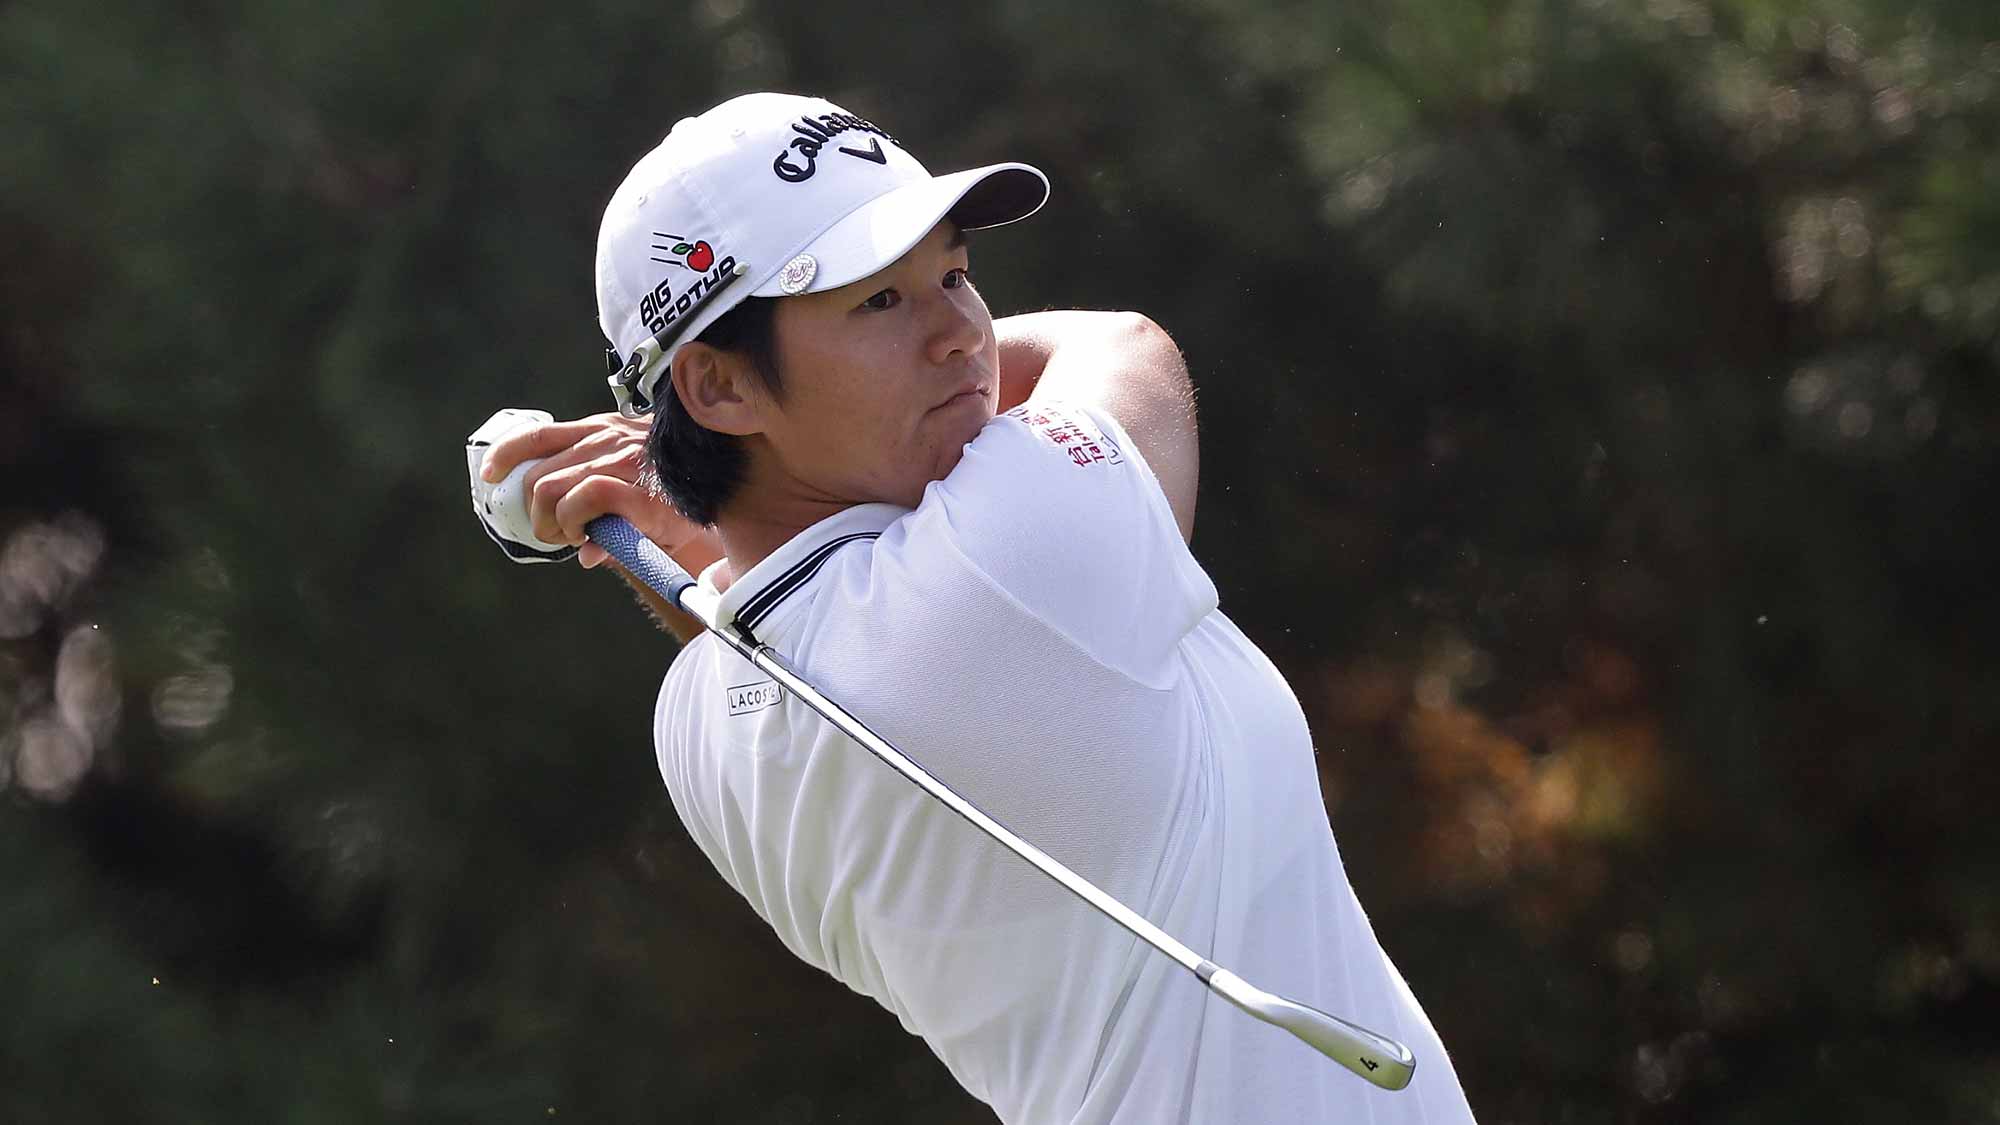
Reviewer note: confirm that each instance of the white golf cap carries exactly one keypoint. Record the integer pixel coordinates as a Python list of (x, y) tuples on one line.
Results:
[(768, 195)]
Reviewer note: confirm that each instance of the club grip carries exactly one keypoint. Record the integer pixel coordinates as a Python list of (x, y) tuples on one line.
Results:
[(641, 556)]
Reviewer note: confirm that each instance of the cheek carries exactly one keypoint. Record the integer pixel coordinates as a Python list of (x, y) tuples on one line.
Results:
[(849, 417)]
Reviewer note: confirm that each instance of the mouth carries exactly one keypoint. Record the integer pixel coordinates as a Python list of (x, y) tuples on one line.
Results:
[(973, 393)]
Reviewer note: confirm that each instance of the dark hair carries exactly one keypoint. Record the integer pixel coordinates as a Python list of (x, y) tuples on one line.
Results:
[(694, 467)]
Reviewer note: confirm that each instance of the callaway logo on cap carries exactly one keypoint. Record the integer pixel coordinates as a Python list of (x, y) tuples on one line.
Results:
[(768, 195)]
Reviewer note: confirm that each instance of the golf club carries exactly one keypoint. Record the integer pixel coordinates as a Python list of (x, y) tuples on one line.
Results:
[(1376, 1058)]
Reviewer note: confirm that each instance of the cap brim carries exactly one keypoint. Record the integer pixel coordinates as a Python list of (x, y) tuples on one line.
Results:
[(882, 230)]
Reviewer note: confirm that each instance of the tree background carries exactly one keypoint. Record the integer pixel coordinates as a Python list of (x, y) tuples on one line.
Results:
[(1599, 410)]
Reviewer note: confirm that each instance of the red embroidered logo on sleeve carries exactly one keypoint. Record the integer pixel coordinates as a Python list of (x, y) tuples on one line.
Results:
[(1079, 440)]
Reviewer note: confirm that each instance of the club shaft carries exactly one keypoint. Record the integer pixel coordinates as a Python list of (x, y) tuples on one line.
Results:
[(1376, 1058), (767, 659)]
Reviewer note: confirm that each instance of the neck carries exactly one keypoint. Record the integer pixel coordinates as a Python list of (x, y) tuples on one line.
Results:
[(749, 536), (769, 508)]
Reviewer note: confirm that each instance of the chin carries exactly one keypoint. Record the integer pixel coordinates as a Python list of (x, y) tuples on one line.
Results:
[(941, 467)]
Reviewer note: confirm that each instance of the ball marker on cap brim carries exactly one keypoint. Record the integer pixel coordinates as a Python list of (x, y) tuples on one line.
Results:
[(797, 274)]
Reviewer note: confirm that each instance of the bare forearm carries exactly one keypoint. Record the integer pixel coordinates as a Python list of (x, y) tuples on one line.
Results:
[(682, 624), (1026, 342), (693, 555)]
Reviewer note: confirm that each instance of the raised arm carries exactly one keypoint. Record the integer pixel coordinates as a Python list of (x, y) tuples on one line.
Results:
[(1122, 363), (590, 467)]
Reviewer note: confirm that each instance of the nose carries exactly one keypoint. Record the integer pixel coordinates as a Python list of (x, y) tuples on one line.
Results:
[(957, 329)]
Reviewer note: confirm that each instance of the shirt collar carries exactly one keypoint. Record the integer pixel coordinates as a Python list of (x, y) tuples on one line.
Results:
[(751, 599)]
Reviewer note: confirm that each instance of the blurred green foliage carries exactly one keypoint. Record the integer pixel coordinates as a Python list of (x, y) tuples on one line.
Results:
[(1599, 404)]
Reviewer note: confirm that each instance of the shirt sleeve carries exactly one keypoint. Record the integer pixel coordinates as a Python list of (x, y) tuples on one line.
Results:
[(1053, 503)]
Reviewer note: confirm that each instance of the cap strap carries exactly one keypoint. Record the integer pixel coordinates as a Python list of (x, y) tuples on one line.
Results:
[(632, 381)]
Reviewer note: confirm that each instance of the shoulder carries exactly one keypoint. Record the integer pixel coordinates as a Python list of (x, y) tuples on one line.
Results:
[(692, 667), (1046, 442), (706, 687), (1081, 436), (1053, 510)]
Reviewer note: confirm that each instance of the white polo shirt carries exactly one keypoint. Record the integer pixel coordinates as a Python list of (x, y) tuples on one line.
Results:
[(1037, 635)]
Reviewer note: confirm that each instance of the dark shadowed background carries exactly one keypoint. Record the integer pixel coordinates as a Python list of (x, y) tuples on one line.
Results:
[(1599, 427)]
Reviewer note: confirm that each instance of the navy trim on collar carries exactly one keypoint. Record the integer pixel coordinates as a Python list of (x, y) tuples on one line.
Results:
[(753, 599), (764, 601)]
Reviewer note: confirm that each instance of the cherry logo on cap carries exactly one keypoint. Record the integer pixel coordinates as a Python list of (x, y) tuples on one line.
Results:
[(697, 255)]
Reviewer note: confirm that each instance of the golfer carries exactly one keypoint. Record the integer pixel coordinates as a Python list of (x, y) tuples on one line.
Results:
[(974, 534)]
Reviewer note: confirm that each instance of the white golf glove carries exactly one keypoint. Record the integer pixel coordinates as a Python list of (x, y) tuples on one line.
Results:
[(502, 507)]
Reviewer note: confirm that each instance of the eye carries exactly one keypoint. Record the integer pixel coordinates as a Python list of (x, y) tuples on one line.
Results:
[(958, 278), (886, 299)]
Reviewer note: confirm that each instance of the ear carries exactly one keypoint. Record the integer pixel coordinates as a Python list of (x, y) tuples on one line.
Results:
[(719, 390)]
